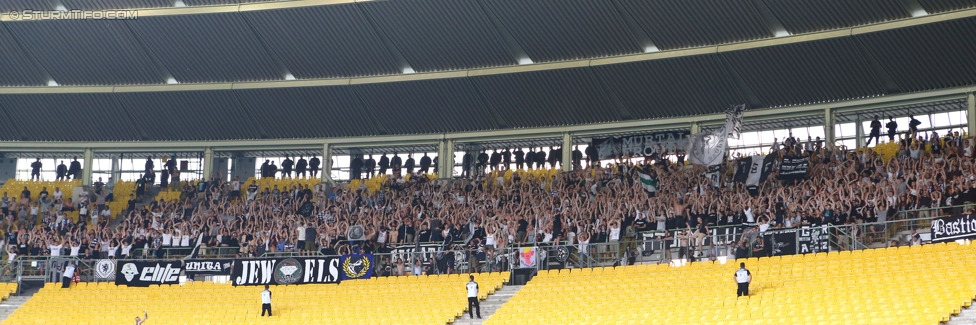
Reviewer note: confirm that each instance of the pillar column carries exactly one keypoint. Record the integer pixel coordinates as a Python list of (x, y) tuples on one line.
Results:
[(971, 114), (327, 164), (445, 159), (695, 127), (567, 150), (86, 169), (859, 132), (208, 163), (116, 173), (829, 136)]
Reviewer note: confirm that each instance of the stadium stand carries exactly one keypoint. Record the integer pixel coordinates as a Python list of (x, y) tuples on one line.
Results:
[(906, 285), (435, 299)]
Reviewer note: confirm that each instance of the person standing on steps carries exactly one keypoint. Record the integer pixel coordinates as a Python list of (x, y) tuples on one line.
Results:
[(473, 298), (266, 301), (742, 278)]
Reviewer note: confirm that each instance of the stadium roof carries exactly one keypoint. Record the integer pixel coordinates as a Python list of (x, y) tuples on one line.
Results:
[(349, 61)]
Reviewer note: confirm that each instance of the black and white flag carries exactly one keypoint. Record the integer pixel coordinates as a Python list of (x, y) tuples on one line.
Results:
[(708, 148)]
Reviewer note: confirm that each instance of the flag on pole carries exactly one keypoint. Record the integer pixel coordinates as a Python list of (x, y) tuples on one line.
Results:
[(647, 182)]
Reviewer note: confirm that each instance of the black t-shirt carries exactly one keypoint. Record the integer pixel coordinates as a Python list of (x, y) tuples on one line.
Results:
[(424, 235), (523, 225), (641, 225)]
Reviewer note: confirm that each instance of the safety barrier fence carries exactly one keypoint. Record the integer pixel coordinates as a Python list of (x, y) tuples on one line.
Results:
[(432, 258)]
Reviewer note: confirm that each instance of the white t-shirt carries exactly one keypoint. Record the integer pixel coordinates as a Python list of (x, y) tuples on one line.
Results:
[(75, 250), (126, 249), (55, 249), (266, 297), (185, 241), (472, 289), (167, 239), (614, 234), (490, 240), (742, 276), (301, 233), (69, 271)]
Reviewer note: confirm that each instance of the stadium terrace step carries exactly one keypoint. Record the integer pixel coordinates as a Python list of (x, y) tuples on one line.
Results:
[(966, 317), (489, 305), (8, 306)]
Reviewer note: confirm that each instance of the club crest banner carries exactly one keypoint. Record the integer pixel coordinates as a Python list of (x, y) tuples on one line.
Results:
[(357, 266)]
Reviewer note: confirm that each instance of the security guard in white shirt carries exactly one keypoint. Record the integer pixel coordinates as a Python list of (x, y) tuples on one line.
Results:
[(742, 278), (473, 298)]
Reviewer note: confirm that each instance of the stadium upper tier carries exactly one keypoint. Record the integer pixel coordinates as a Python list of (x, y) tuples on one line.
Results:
[(353, 62)]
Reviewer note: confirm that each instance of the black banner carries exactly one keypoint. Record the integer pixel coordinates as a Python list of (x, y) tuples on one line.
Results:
[(794, 167), (143, 274), (952, 228), (286, 270), (779, 242), (813, 240), (643, 145), (205, 266), (742, 168)]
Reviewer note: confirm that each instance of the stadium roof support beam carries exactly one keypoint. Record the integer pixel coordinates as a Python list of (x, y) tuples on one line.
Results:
[(327, 165), (86, 170), (772, 22), (445, 159), (829, 136), (567, 151), (971, 113), (208, 162), (405, 66), (513, 47), (639, 34), (585, 130), (841, 33)]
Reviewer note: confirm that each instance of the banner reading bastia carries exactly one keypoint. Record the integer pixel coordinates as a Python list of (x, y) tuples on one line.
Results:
[(951, 228), (286, 270), (643, 145)]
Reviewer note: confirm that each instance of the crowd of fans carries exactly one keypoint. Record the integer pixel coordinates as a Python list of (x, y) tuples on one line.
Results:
[(500, 207)]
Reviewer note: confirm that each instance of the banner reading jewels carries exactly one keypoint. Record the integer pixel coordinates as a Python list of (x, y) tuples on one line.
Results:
[(951, 228), (286, 270), (143, 274), (643, 145)]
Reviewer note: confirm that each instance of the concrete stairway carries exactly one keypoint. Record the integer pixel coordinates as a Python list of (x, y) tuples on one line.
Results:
[(8, 306), (490, 305), (966, 317)]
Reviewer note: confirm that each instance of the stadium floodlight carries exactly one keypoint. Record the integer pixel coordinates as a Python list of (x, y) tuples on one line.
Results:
[(179, 3), (60, 7), (408, 70), (171, 81), (651, 49), (919, 12), (289, 76), (782, 33), (525, 60), (52, 83)]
